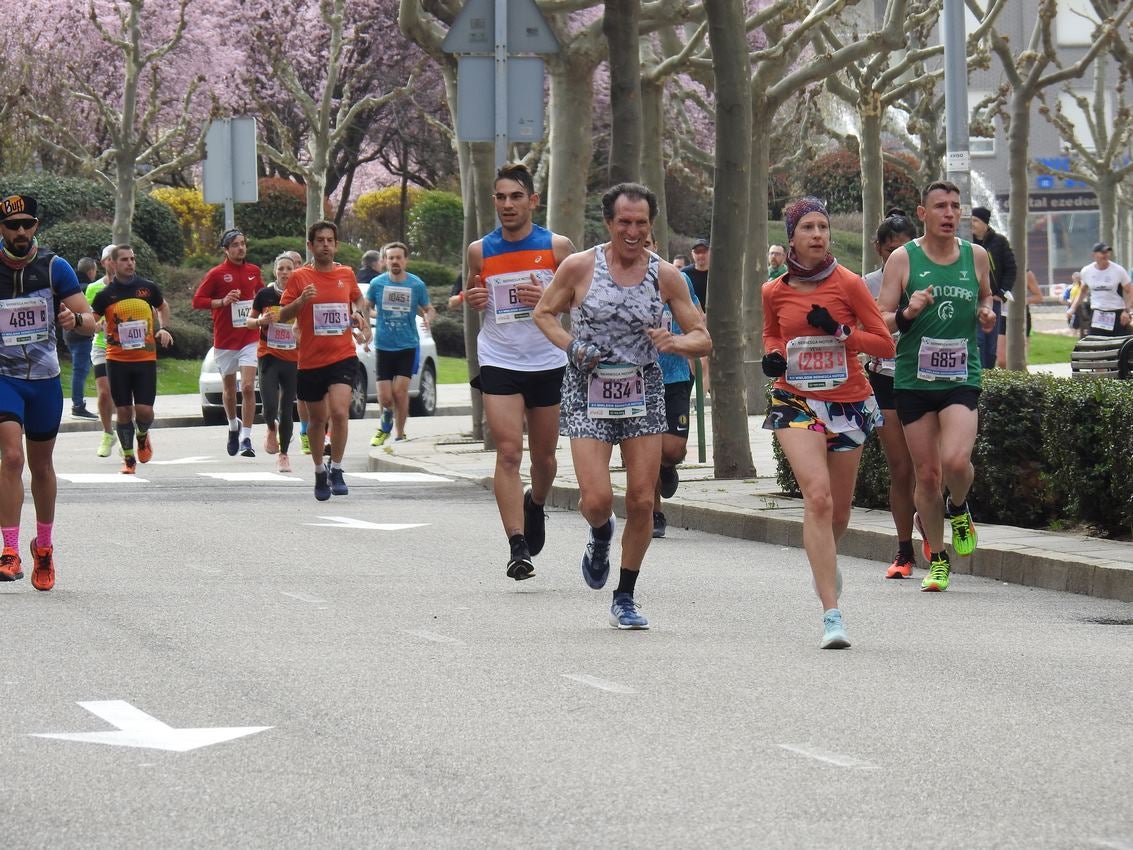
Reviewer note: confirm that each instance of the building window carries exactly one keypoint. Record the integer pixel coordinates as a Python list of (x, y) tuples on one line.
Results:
[(1074, 23)]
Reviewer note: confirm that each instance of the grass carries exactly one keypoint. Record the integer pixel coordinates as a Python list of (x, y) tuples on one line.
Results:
[(1050, 348), (452, 370), (174, 377)]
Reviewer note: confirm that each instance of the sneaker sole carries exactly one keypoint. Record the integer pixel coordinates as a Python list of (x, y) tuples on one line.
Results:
[(895, 573), (624, 628), (933, 588), (11, 576), (835, 642), (520, 571)]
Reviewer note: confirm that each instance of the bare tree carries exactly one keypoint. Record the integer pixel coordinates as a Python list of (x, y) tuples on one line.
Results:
[(619, 25)]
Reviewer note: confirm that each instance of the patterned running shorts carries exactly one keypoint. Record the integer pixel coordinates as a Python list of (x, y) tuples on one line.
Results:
[(846, 424), (573, 421)]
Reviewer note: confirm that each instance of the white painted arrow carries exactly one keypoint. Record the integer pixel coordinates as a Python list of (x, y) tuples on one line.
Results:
[(193, 459), (138, 729), (350, 522)]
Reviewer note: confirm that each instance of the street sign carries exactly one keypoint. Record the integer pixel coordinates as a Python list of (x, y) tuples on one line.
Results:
[(957, 161), (473, 31), (230, 165), (476, 99)]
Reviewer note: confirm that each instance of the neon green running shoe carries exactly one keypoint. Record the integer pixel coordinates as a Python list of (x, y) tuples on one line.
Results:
[(379, 438), (106, 445), (963, 532), (305, 443), (938, 571)]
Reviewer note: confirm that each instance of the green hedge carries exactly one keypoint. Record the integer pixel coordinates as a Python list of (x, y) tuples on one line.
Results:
[(448, 334), (436, 227), (73, 240), (1051, 453), (434, 274)]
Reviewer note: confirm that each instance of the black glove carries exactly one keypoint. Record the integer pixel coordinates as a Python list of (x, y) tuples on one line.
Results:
[(774, 364), (819, 317)]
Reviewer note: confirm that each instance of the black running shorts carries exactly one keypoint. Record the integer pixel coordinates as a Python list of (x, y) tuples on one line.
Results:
[(312, 384)]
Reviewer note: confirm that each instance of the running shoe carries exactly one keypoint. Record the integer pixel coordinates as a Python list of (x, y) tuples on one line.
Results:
[(379, 438), (246, 449), (938, 572), (596, 560), (271, 442), (80, 411), (283, 463), (660, 524), (43, 566), (833, 632), (107, 444), (534, 524), (669, 481), (234, 440), (10, 567), (625, 613), (145, 448), (322, 485), (337, 484), (305, 443), (129, 465), (519, 566), (926, 547), (963, 532), (902, 567)]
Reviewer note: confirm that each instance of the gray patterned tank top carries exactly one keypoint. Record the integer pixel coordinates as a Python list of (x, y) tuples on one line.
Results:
[(615, 317)]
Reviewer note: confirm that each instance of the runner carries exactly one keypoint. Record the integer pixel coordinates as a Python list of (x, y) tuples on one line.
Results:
[(300, 405), (31, 395), (613, 392), (331, 314), (397, 297), (227, 290), (128, 305), (816, 318), (278, 363), (892, 233), (521, 372), (935, 291), (98, 359), (1110, 294)]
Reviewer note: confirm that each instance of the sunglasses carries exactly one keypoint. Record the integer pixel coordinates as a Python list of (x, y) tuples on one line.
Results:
[(20, 224)]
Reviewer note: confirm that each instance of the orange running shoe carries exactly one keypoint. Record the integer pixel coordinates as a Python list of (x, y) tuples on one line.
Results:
[(129, 465), (145, 448), (902, 567), (43, 567), (10, 567)]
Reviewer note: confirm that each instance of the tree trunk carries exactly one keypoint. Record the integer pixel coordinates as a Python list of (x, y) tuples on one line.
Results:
[(572, 145), (403, 208), (755, 266), (1106, 189), (619, 25), (731, 453), (652, 158), (1017, 138), (316, 175), (873, 175), (124, 195)]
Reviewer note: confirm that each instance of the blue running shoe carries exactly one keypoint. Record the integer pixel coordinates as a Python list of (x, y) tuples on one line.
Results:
[(322, 485), (626, 614), (337, 485), (596, 560), (233, 440), (833, 632)]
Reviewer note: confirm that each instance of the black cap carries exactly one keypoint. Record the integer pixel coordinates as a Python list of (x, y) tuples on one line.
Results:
[(1101, 247), (700, 240), (982, 213), (23, 206)]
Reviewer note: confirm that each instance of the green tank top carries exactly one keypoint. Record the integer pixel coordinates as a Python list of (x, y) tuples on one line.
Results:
[(92, 290), (942, 341)]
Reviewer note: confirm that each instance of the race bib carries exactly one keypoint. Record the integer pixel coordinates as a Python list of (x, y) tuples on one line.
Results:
[(331, 319), (24, 320), (132, 334), (397, 299), (616, 391), (281, 336), (1104, 320), (816, 363), (505, 297), (943, 360), (240, 311)]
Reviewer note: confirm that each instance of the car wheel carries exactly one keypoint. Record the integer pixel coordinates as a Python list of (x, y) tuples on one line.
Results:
[(358, 395), (426, 402), (214, 415)]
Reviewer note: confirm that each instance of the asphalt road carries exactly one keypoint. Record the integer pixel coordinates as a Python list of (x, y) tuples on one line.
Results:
[(416, 697)]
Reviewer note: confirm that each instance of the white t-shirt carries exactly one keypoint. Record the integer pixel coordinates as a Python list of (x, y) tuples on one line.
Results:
[(1103, 285)]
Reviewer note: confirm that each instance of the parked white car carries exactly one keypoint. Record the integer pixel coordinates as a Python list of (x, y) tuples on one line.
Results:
[(422, 387)]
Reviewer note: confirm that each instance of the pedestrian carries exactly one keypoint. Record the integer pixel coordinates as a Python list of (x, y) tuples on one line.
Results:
[(1034, 295), (936, 291), (893, 232), (278, 362), (396, 297), (521, 371), (228, 290), (1107, 286), (816, 319), (613, 392), (776, 261), (79, 344), (331, 314), (31, 394), (373, 264), (1003, 273)]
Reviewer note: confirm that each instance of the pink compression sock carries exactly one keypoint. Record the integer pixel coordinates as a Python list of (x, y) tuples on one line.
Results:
[(43, 534)]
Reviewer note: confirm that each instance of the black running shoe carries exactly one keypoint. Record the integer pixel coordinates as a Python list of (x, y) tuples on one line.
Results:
[(660, 524), (519, 566), (669, 481), (534, 524), (322, 485)]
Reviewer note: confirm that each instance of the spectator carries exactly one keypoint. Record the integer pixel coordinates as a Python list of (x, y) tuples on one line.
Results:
[(1003, 273), (373, 264), (80, 347)]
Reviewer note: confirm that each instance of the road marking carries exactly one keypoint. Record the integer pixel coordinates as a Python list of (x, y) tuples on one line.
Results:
[(302, 597), (251, 476), (194, 459), (829, 757), (398, 477), (208, 571), (101, 478), (600, 684), (138, 729), (1111, 844), (350, 522), (433, 637)]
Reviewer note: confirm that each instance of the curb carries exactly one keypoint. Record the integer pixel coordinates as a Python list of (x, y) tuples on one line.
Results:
[(1049, 571)]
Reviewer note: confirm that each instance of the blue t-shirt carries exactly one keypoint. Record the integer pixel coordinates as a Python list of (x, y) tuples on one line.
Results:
[(397, 304), (674, 367), (27, 344)]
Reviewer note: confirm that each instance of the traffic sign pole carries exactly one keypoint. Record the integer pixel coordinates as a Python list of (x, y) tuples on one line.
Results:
[(501, 83)]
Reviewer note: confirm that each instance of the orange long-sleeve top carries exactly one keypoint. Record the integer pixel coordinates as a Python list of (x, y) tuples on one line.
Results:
[(848, 299)]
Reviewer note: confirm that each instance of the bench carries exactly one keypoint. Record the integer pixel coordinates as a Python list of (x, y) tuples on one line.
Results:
[(1102, 357)]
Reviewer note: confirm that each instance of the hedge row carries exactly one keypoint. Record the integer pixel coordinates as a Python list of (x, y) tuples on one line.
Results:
[(1051, 453)]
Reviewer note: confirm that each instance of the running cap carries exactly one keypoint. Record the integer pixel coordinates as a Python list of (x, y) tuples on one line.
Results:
[(107, 251), (229, 235), (700, 241), (982, 213), (795, 210), (18, 205), (1101, 247)]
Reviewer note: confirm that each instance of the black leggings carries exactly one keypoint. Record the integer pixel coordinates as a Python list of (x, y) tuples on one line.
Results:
[(277, 389)]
